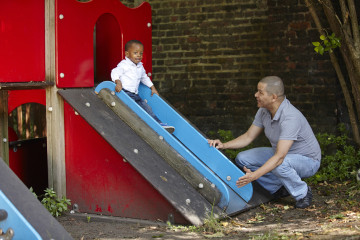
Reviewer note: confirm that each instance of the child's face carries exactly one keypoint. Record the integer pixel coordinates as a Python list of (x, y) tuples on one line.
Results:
[(135, 53)]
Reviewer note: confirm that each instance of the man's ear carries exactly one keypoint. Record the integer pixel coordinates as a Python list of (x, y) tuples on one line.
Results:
[(274, 97), (126, 54)]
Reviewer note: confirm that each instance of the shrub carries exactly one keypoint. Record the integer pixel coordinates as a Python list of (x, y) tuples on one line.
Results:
[(55, 205), (340, 159)]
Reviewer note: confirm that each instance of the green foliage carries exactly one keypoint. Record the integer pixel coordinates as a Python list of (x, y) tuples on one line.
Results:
[(327, 43), (32, 191), (55, 205), (340, 160), (212, 224)]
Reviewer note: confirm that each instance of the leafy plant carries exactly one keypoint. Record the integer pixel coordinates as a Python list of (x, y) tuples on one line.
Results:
[(339, 165), (55, 205), (32, 191), (212, 224), (327, 44)]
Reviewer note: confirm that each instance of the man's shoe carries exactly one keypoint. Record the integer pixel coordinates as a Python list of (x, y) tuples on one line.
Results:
[(168, 128), (306, 201), (281, 193)]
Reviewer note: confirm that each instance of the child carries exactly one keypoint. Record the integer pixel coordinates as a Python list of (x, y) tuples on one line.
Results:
[(130, 72)]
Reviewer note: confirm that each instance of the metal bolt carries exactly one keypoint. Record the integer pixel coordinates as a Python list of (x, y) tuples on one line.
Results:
[(61, 16), (4, 140), (228, 178), (161, 137), (145, 100), (50, 109), (87, 104), (149, 74), (149, 24), (112, 93), (113, 104), (213, 185), (136, 151), (188, 201), (201, 185), (76, 207), (76, 113), (62, 75)]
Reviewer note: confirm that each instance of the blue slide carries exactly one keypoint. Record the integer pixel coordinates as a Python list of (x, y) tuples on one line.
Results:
[(192, 145)]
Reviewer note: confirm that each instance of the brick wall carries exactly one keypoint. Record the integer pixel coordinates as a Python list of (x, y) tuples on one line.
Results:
[(208, 56), (310, 80)]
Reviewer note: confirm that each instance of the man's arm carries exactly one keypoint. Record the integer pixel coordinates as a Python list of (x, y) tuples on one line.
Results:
[(239, 142), (282, 149)]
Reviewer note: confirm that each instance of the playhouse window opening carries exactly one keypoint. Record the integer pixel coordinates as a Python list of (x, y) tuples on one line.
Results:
[(28, 121), (107, 47)]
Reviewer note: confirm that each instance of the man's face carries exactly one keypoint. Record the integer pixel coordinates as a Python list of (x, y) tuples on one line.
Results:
[(135, 53), (264, 100)]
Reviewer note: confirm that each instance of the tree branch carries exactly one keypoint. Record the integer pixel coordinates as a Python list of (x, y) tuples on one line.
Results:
[(340, 76), (345, 17), (354, 25)]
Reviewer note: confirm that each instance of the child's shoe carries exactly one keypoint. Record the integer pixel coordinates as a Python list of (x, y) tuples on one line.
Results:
[(168, 128)]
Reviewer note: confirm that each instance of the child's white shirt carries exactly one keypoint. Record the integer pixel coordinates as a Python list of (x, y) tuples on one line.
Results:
[(130, 75)]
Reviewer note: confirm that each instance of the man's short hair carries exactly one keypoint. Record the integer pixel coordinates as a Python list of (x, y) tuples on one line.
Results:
[(131, 42), (274, 85)]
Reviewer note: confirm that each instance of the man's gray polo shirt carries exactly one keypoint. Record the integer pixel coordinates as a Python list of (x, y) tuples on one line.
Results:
[(289, 124)]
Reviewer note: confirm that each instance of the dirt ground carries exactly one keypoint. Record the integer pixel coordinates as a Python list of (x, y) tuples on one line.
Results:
[(334, 214)]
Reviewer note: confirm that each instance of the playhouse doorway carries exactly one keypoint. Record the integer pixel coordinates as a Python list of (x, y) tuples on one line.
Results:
[(107, 47), (27, 139)]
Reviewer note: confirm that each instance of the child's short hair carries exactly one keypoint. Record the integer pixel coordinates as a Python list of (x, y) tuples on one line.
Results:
[(131, 42)]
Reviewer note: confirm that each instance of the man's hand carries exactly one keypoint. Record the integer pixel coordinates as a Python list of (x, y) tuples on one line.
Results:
[(246, 179), (216, 143)]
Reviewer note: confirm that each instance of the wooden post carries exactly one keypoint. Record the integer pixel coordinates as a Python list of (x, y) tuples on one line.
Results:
[(4, 144), (54, 109)]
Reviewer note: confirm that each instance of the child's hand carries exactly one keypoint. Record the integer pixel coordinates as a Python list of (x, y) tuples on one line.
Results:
[(153, 90), (118, 88)]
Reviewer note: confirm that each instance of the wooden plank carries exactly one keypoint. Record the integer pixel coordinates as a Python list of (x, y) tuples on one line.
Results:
[(4, 138), (191, 204), (183, 167), (24, 85), (55, 108)]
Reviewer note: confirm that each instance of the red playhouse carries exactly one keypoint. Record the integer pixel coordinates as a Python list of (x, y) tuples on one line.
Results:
[(53, 54)]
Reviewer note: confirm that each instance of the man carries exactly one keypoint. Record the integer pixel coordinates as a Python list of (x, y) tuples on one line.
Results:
[(295, 152)]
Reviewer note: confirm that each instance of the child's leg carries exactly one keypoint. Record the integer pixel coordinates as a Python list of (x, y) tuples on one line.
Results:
[(143, 105)]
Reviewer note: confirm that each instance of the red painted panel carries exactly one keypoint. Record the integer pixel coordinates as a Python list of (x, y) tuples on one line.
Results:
[(75, 22), (20, 97), (99, 181), (22, 41)]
